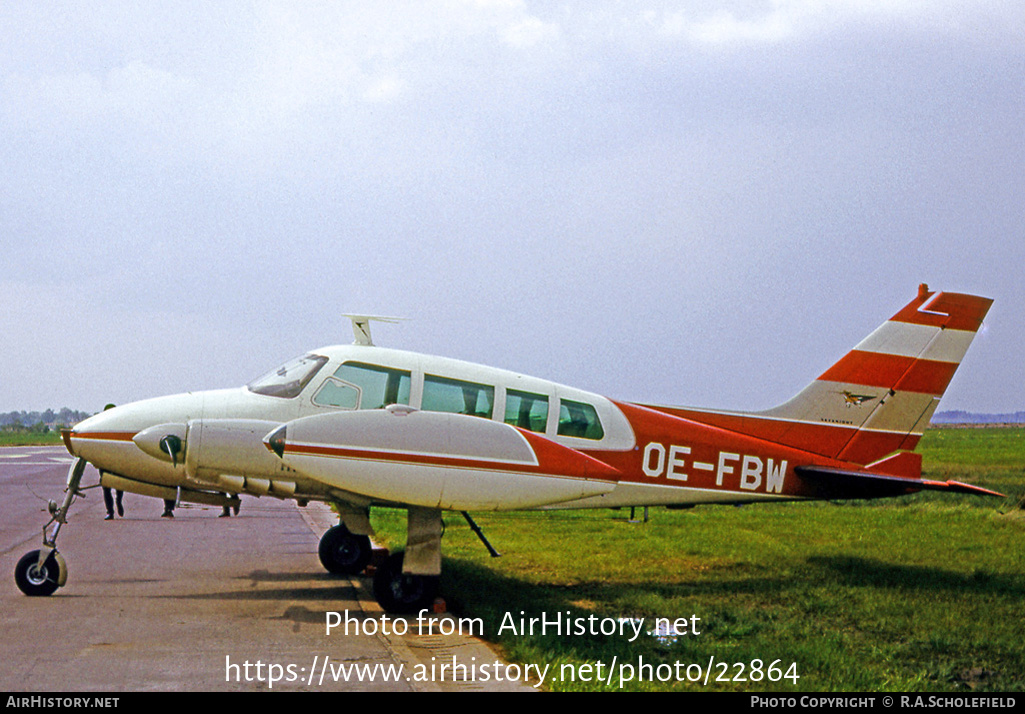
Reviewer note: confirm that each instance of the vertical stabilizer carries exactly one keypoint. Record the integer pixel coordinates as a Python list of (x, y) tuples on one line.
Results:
[(887, 388)]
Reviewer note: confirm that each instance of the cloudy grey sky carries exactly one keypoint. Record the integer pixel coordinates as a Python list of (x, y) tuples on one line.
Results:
[(698, 203)]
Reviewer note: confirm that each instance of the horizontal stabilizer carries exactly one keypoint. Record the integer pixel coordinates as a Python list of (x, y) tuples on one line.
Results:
[(903, 464), (832, 483)]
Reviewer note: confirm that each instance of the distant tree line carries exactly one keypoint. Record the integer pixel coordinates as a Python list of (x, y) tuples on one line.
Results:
[(962, 417), (40, 421)]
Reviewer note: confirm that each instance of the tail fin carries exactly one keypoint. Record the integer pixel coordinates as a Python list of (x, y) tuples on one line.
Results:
[(888, 387)]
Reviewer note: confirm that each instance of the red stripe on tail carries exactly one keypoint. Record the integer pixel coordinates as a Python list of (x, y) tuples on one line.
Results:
[(876, 369)]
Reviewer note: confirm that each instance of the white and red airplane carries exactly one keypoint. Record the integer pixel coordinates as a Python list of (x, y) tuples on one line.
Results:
[(361, 426)]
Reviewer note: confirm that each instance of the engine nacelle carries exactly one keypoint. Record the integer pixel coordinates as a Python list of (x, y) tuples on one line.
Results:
[(438, 460)]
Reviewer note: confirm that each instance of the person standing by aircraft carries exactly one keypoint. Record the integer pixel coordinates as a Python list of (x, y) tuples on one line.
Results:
[(108, 497), (109, 502)]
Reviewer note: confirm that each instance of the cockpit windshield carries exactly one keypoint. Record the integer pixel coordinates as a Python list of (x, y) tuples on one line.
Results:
[(289, 379)]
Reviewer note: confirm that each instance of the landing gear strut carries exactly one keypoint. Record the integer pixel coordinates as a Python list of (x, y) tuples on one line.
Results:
[(41, 572), (407, 582)]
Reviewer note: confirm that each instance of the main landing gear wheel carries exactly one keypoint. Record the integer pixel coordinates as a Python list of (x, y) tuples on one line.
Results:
[(343, 552), (403, 593), (34, 580)]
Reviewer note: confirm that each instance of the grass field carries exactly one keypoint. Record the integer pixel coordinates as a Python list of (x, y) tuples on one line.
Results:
[(29, 438), (920, 593)]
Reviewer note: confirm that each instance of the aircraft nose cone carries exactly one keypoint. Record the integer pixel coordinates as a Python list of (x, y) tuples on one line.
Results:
[(82, 430), (95, 439)]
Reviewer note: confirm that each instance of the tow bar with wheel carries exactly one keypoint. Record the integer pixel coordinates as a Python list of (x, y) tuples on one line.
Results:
[(41, 572)]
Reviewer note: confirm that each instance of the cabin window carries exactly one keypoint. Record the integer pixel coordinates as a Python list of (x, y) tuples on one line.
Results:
[(457, 397), (290, 378), (378, 386), (334, 393), (526, 410), (579, 420)]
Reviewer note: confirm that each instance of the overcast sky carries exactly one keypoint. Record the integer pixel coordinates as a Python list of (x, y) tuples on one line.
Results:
[(695, 203)]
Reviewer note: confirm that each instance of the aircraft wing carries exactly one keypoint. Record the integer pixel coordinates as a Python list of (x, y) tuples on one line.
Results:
[(832, 483)]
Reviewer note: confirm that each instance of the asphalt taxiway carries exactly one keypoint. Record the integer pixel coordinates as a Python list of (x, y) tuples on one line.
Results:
[(171, 604)]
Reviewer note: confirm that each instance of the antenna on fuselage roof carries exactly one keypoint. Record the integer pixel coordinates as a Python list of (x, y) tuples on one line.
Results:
[(361, 326)]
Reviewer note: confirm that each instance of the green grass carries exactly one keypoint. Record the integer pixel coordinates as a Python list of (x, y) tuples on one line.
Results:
[(920, 593), (29, 438), (990, 457)]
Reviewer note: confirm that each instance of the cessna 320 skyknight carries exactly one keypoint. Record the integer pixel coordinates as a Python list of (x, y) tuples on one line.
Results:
[(361, 425)]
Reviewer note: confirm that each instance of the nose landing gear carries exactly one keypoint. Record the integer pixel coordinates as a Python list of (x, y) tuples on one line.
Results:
[(41, 572)]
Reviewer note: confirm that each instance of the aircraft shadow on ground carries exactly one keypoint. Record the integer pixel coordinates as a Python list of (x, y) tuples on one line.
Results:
[(333, 588), (463, 579), (864, 571)]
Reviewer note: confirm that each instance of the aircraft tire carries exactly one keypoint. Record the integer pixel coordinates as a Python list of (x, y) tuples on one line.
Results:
[(344, 553), (33, 580), (400, 593)]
